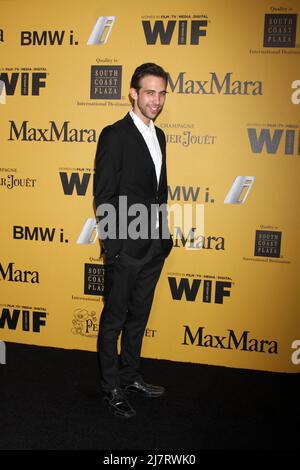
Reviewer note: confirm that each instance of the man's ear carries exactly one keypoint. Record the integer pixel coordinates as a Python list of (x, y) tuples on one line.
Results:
[(133, 93)]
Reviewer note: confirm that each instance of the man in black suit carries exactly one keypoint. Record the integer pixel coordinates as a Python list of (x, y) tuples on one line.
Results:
[(130, 191)]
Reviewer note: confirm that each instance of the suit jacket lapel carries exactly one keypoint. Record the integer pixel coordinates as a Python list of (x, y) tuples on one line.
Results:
[(140, 139), (161, 144), (163, 163)]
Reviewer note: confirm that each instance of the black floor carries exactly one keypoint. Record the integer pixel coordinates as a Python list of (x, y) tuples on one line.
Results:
[(50, 399)]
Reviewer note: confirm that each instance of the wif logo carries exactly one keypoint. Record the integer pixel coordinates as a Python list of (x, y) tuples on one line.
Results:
[(74, 182), (275, 141), (101, 31), (213, 291), (29, 83), (25, 319), (188, 31)]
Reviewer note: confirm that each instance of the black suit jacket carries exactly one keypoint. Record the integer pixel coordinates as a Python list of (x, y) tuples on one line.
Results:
[(124, 167)]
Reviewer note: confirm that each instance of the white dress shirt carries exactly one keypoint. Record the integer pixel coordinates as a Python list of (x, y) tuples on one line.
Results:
[(149, 135)]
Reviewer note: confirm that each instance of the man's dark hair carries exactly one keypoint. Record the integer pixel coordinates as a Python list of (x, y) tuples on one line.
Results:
[(147, 69)]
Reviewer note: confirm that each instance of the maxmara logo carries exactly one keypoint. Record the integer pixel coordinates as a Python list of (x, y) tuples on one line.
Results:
[(221, 85), (63, 132), (230, 340), (192, 241), (11, 274)]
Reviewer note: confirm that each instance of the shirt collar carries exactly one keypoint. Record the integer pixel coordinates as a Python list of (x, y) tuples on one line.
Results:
[(142, 127)]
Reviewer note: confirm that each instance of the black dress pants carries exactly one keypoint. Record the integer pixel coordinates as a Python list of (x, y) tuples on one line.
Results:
[(129, 292)]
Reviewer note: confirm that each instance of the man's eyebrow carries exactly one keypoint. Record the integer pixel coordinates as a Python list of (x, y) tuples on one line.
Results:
[(162, 91)]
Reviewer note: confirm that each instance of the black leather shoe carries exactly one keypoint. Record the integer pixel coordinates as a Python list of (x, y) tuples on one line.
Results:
[(118, 404), (146, 390)]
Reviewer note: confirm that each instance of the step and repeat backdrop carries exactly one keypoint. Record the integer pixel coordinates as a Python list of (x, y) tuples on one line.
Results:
[(228, 292)]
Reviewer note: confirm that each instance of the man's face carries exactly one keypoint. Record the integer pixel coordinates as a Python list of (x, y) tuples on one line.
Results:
[(149, 99)]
